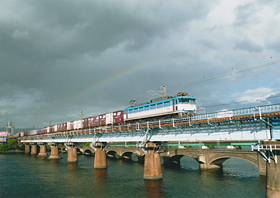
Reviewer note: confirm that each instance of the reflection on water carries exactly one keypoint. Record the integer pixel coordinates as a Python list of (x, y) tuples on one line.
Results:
[(54, 161), (211, 174), (99, 174), (153, 188), (262, 180), (72, 165), (42, 157), (57, 178)]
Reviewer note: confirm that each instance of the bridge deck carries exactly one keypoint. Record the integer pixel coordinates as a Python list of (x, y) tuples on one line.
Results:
[(206, 127)]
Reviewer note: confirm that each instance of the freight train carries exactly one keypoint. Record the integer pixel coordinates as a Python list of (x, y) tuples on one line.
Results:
[(182, 104)]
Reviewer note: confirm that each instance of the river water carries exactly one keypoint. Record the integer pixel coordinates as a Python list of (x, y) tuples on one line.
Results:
[(27, 176)]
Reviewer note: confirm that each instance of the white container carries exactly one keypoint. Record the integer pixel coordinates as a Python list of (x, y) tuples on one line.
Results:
[(78, 124), (109, 118), (55, 128)]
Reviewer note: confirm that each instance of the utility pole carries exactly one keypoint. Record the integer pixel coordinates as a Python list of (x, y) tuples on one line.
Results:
[(164, 90)]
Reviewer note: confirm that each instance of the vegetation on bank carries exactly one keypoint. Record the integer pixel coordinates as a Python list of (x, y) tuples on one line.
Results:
[(85, 144), (12, 144)]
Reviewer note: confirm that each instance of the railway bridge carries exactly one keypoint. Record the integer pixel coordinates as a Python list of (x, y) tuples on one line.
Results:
[(204, 137), (207, 159)]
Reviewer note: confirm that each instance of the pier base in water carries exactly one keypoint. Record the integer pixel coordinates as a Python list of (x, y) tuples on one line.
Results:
[(152, 164), (27, 149), (72, 154), (273, 179), (100, 160), (273, 170), (43, 151), (34, 149), (54, 152)]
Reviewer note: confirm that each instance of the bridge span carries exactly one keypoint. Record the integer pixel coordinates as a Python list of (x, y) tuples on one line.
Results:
[(207, 158), (258, 127)]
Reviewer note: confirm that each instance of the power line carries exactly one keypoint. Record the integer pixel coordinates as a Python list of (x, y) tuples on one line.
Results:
[(232, 103), (230, 74)]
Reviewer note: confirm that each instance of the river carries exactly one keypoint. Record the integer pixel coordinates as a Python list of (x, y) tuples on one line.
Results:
[(28, 176)]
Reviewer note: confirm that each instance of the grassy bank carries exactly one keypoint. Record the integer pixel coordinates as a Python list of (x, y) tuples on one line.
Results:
[(12, 144)]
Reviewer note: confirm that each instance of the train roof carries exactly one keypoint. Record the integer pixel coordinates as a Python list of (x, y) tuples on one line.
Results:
[(159, 100)]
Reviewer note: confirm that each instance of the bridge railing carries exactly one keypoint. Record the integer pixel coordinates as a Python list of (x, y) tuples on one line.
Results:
[(238, 112), (174, 121), (261, 147)]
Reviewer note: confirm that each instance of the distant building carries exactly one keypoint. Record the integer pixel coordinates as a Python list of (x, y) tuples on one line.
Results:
[(10, 128)]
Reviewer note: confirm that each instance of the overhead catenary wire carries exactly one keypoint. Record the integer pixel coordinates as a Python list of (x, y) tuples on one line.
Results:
[(225, 75)]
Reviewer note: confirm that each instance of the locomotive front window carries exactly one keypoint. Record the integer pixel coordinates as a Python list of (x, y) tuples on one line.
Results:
[(186, 100)]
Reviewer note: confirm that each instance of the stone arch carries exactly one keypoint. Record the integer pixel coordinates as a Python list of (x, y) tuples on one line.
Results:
[(174, 161), (126, 155), (218, 160), (87, 152), (62, 149), (210, 160), (112, 153)]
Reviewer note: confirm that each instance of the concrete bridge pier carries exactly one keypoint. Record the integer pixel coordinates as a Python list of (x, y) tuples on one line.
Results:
[(54, 152), (152, 164), (43, 150), (261, 166), (34, 149), (27, 149), (273, 170), (273, 179), (72, 153), (100, 160)]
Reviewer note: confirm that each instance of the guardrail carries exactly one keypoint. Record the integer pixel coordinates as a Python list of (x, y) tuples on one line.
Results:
[(261, 147), (239, 112)]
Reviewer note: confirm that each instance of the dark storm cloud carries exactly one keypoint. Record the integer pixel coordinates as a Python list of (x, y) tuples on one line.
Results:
[(208, 43), (245, 14), (64, 28), (59, 58), (275, 45), (248, 45), (52, 51)]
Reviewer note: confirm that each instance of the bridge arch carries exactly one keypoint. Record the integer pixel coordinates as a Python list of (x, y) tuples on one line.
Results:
[(172, 161), (88, 152), (126, 155), (112, 153), (214, 159), (62, 149), (124, 151), (218, 160)]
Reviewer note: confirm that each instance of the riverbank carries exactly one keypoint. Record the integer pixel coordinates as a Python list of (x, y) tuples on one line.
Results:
[(11, 147), (11, 151)]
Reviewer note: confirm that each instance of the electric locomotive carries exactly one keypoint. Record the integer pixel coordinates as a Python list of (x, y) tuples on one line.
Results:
[(182, 104)]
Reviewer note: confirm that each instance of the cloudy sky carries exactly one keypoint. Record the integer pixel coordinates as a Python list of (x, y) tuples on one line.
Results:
[(59, 58)]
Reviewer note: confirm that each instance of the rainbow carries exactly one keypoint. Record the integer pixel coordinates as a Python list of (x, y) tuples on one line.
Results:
[(108, 80), (120, 75)]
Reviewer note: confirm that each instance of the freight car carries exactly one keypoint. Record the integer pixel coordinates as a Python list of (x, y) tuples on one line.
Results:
[(182, 104)]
